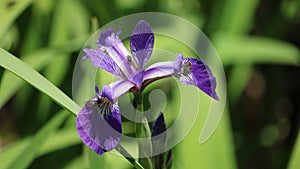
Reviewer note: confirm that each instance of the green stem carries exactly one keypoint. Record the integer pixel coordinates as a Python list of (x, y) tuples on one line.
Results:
[(126, 155), (142, 130)]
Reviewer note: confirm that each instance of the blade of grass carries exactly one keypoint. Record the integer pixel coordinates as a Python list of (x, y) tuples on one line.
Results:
[(56, 141), (10, 83), (29, 153), (91, 159), (24, 71), (249, 50), (60, 140), (9, 11), (62, 29), (55, 72), (233, 16), (217, 152), (240, 74), (294, 160), (37, 59), (75, 163)]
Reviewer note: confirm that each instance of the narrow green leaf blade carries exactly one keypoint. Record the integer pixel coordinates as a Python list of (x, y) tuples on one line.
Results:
[(10, 83), (294, 160), (57, 141), (24, 71), (9, 11), (29, 153), (250, 50)]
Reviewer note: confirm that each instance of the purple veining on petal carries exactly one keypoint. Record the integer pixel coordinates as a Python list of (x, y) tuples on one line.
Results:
[(110, 43), (101, 60), (120, 55), (99, 123), (104, 35), (107, 92), (196, 72), (141, 43)]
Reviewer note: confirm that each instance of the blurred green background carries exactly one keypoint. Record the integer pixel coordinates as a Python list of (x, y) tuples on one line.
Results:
[(257, 40)]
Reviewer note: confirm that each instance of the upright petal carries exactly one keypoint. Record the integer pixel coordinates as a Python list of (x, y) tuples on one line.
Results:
[(196, 72), (141, 43), (159, 126), (159, 141), (101, 60), (104, 35), (110, 43), (99, 123)]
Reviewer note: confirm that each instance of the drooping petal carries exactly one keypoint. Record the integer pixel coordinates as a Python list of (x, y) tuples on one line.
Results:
[(87, 139), (196, 72), (120, 87), (101, 60), (110, 43), (141, 43), (99, 123)]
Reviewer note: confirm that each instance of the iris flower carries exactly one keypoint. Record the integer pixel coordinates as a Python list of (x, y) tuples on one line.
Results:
[(99, 121)]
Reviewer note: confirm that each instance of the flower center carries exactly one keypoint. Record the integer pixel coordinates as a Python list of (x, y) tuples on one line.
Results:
[(104, 106), (186, 68)]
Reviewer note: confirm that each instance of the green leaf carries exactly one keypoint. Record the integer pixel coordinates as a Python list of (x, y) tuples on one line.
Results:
[(24, 159), (75, 163), (10, 83), (249, 50), (62, 29), (233, 16), (55, 72), (59, 140), (9, 11), (237, 82), (216, 152), (294, 160), (24, 71), (91, 159)]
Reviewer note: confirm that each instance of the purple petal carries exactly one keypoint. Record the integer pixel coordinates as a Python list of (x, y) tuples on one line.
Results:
[(111, 44), (159, 135), (162, 69), (101, 60), (159, 125), (97, 89), (109, 37), (137, 78), (120, 87), (141, 43), (87, 140), (196, 72), (107, 92), (99, 124)]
